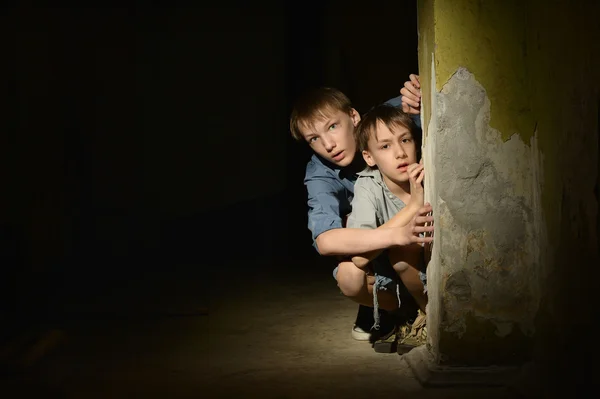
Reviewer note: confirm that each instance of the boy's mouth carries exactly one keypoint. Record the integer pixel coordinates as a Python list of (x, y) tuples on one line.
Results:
[(402, 167), (339, 156)]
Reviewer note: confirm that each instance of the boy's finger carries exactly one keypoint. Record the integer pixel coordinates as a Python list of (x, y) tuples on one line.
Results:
[(425, 209), (408, 101), (415, 80), (415, 172), (422, 229), (422, 240), (410, 168), (408, 95), (424, 212), (421, 220), (414, 111), (412, 89), (421, 176), (418, 168)]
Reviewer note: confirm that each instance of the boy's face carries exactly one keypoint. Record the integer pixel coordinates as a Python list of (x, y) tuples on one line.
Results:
[(333, 137), (391, 151)]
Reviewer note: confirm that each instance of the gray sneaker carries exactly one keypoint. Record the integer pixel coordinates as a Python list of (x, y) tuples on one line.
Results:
[(416, 336)]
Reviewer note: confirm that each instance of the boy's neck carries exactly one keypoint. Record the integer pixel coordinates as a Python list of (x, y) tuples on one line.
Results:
[(400, 190)]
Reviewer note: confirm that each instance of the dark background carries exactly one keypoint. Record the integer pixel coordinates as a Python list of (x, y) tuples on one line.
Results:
[(156, 138)]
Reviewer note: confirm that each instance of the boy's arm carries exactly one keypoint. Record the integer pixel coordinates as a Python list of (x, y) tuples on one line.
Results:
[(400, 220), (348, 241), (325, 224), (329, 236)]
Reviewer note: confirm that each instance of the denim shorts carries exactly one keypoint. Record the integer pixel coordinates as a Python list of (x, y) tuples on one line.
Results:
[(386, 279)]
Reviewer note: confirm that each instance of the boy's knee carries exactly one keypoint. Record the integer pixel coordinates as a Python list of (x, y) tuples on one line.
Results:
[(403, 258), (401, 266), (350, 279)]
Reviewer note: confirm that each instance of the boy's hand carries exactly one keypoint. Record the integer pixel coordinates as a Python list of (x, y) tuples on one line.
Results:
[(423, 224), (411, 95), (419, 230), (416, 174)]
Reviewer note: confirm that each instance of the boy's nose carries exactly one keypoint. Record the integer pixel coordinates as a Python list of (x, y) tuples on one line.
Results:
[(329, 144), (400, 153)]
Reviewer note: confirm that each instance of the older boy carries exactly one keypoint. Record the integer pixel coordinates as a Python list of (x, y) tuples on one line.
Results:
[(326, 120), (390, 193)]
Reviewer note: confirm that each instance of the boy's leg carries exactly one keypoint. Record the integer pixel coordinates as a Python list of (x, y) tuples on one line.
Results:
[(357, 285), (363, 323), (405, 261)]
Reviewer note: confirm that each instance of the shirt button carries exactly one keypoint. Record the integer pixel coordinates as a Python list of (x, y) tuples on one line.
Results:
[(391, 196)]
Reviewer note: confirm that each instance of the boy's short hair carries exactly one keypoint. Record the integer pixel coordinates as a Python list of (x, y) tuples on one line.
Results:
[(390, 116), (317, 104)]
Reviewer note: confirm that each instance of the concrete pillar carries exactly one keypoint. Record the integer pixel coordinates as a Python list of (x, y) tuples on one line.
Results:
[(510, 116)]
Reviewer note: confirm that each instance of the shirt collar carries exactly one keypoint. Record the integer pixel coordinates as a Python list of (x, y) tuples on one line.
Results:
[(342, 173), (373, 173), (377, 177)]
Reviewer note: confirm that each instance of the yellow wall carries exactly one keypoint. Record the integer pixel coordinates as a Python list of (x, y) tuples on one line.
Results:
[(535, 60), (538, 62)]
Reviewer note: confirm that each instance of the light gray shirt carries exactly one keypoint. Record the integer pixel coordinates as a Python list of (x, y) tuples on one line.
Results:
[(373, 203)]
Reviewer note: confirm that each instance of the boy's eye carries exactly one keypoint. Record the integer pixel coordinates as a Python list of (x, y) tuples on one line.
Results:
[(406, 140), (385, 146), (333, 126), (312, 139)]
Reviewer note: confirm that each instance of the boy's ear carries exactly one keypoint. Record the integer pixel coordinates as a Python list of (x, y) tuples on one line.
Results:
[(355, 116), (368, 158)]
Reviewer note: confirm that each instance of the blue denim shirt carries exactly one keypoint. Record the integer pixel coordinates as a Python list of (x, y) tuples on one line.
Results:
[(330, 190), (330, 193)]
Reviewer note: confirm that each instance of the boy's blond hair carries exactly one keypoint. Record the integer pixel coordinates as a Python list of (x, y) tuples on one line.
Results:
[(390, 116), (317, 104)]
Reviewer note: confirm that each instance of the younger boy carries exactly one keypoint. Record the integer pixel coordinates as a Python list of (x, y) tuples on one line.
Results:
[(390, 193)]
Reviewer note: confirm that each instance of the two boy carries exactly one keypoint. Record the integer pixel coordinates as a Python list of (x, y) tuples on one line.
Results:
[(326, 120)]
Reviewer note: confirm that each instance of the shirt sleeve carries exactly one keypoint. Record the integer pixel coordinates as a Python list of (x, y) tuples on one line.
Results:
[(394, 102), (364, 208), (323, 206), (397, 102)]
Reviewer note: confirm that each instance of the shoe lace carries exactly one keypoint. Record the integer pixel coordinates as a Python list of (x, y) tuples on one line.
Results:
[(419, 327)]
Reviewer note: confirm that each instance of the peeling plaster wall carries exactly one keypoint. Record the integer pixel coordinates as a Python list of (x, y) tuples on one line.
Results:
[(487, 192), (510, 92)]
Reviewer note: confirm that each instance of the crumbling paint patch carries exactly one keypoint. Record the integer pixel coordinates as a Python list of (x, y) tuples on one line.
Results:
[(458, 286), (490, 39), (489, 216)]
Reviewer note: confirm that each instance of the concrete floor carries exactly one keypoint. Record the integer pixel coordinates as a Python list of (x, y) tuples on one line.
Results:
[(268, 335)]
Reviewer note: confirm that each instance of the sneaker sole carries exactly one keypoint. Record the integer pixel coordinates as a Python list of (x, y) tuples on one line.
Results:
[(385, 346), (358, 336), (404, 348)]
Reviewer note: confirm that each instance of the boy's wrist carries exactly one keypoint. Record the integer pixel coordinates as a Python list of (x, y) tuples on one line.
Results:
[(393, 238), (398, 237)]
